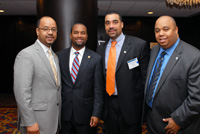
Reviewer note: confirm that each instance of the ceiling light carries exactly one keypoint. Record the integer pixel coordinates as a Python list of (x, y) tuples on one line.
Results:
[(150, 12), (2, 11), (183, 2)]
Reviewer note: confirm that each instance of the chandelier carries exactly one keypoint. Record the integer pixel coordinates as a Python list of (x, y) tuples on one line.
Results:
[(183, 2)]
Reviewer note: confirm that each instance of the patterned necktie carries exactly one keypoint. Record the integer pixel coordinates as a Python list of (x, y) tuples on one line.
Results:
[(111, 65), (53, 66), (154, 79), (75, 67)]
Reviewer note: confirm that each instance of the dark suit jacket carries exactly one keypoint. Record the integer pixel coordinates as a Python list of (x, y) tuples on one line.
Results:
[(178, 91), (130, 82), (84, 98)]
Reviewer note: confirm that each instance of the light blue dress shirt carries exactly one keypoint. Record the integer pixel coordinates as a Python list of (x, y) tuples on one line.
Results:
[(120, 41), (167, 56)]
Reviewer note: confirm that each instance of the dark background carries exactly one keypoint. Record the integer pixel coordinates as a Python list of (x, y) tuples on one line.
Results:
[(18, 32)]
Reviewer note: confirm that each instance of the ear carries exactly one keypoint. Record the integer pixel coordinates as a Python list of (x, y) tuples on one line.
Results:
[(87, 37), (37, 31), (176, 30), (70, 36), (122, 24)]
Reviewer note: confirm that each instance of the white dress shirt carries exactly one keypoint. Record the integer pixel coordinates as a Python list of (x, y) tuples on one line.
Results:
[(45, 49), (72, 56)]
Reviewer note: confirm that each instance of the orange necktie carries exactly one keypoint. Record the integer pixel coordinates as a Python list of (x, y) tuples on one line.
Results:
[(111, 65)]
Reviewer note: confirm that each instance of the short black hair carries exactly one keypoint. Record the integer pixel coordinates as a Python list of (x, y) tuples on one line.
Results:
[(114, 12), (80, 24)]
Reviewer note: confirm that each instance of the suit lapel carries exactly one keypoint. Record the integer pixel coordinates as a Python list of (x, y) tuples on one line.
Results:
[(85, 61), (66, 63), (45, 59), (170, 65), (154, 54), (124, 51), (103, 54)]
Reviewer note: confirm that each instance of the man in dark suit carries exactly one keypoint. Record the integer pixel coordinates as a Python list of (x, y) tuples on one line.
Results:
[(82, 85), (174, 103), (123, 108)]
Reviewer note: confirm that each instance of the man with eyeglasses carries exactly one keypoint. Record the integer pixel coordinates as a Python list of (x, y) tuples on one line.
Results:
[(37, 83)]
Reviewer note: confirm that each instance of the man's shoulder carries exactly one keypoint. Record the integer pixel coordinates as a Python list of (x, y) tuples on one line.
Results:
[(189, 49), (134, 38), (63, 51), (28, 49)]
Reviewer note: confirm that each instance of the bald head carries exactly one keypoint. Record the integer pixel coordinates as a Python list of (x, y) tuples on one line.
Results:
[(167, 18), (166, 31)]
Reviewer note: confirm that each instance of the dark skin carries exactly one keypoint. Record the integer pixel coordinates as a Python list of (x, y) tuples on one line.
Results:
[(47, 38), (166, 33), (79, 38)]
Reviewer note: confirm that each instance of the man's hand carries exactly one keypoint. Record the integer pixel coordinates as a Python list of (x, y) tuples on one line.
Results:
[(94, 121), (172, 127), (34, 129)]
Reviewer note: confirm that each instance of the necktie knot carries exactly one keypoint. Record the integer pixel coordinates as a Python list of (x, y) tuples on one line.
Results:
[(113, 43), (76, 53), (163, 54), (49, 51)]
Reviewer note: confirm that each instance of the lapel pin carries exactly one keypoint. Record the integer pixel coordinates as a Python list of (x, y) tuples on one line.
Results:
[(88, 57), (176, 58), (124, 51)]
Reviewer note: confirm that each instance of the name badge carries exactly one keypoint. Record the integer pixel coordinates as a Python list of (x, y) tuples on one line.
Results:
[(133, 63)]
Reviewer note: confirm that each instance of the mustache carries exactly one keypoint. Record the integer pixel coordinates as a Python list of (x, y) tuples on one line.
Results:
[(50, 36), (111, 29)]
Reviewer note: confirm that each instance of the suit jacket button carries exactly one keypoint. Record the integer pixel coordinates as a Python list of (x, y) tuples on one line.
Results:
[(57, 104)]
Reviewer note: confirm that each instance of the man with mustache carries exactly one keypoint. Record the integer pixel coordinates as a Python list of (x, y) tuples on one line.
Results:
[(125, 77), (173, 93), (37, 83), (82, 85)]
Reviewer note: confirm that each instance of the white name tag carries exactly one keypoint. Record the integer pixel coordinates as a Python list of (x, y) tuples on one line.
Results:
[(133, 63)]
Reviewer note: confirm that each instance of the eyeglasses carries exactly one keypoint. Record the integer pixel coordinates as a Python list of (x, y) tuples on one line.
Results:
[(45, 29)]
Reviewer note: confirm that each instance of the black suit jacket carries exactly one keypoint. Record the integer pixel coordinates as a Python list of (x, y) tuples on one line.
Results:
[(178, 91), (130, 82), (85, 98)]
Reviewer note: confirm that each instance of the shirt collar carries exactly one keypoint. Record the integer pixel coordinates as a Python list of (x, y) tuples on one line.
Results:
[(81, 51), (171, 49), (45, 48), (120, 38)]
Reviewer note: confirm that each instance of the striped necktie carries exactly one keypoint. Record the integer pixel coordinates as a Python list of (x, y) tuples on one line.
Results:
[(75, 67), (154, 79), (53, 66)]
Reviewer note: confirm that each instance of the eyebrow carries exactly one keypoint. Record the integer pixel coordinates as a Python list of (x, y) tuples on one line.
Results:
[(162, 27), (111, 20)]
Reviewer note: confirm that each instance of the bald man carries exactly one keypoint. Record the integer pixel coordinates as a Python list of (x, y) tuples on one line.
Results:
[(172, 90), (36, 84)]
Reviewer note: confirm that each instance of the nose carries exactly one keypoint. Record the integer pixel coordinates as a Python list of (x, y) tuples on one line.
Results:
[(79, 35), (111, 25), (50, 31), (161, 33)]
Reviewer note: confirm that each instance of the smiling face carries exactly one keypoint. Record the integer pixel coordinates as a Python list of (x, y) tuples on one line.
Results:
[(79, 36), (47, 37), (113, 25), (166, 32)]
